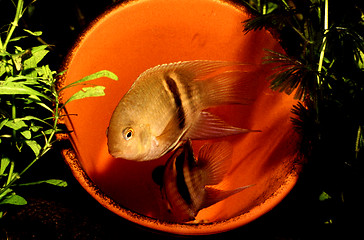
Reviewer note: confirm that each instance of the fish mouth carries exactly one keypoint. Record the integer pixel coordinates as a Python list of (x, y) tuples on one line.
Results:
[(114, 150), (121, 155), (115, 154)]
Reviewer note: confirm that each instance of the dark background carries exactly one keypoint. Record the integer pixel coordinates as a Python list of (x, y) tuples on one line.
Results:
[(70, 213)]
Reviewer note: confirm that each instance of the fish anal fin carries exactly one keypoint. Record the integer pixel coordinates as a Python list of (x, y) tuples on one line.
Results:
[(209, 126), (214, 195)]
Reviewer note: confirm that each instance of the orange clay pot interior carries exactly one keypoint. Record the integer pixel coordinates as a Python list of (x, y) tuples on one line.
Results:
[(135, 36)]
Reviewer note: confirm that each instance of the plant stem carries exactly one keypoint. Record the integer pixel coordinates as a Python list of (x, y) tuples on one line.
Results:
[(14, 179), (322, 53), (14, 24), (45, 149), (285, 4), (1, 45), (10, 175), (357, 142), (13, 115)]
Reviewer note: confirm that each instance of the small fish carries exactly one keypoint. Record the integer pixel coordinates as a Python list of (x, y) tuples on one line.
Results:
[(165, 106), (186, 182)]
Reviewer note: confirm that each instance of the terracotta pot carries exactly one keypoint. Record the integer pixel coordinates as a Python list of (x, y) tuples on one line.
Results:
[(135, 36)]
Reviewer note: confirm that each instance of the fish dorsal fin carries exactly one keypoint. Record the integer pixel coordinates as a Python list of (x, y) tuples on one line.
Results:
[(201, 68), (227, 87), (214, 195), (214, 161), (219, 82), (209, 126), (194, 69)]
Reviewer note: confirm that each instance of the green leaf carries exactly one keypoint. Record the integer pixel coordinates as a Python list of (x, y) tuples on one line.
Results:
[(2, 68), (55, 182), (38, 54), (28, 118), (3, 123), (47, 74), (27, 134), (19, 57), (34, 128), (5, 54), (22, 79), (13, 88), (360, 59), (271, 7), (86, 92), (37, 33), (19, 49), (17, 38), (102, 73), (324, 196), (34, 146), (10, 197), (4, 163), (16, 124), (38, 101)]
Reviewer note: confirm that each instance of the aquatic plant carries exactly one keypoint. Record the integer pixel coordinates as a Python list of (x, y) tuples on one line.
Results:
[(324, 68), (30, 108)]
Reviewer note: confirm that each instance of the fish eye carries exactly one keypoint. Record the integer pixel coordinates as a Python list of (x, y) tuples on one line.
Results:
[(128, 133)]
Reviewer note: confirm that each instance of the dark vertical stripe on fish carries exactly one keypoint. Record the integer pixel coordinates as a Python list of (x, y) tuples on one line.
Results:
[(181, 183), (188, 89), (192, 176), (172, 86)]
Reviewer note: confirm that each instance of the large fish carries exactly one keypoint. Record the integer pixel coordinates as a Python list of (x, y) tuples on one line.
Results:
[(165, 106), (186, 182)]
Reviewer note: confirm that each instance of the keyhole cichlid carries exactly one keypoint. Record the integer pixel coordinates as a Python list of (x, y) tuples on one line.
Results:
[(165, 106), (186, 184)]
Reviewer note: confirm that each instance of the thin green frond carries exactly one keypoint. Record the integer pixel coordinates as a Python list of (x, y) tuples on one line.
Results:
[(290, 75)]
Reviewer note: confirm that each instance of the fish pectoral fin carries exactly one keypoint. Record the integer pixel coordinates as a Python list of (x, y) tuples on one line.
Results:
[(169, 131), (210, 126), (171, 135), (214, 195)]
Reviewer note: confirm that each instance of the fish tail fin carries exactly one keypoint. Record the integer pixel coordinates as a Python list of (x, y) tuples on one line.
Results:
[(214, 160), (227, 87), (214, 195)]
